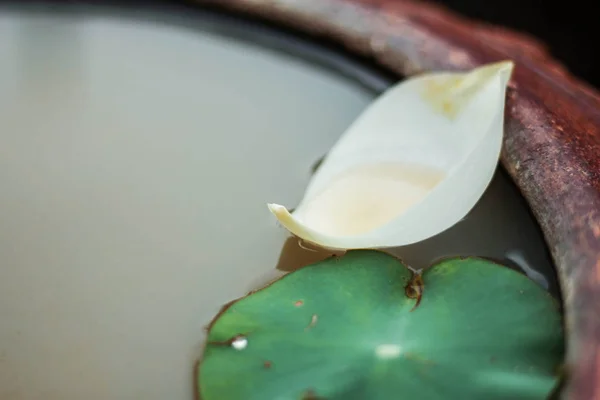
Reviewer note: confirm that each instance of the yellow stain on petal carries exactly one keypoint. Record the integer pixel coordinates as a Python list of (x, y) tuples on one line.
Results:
[(360, 200), (450, 93), (366, 197)]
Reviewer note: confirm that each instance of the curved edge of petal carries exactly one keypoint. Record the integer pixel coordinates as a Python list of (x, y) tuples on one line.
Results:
[(305, 233)]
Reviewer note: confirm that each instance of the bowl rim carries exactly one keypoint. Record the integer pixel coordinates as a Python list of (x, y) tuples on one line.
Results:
[(551, 148)]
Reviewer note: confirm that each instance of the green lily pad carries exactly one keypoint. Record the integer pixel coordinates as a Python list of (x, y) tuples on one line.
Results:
[(345, 329)]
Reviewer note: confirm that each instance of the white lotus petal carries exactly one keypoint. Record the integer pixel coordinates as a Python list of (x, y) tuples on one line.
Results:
[(411, 166)]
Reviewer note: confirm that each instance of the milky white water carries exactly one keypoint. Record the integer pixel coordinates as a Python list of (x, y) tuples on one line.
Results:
[(121, 143)]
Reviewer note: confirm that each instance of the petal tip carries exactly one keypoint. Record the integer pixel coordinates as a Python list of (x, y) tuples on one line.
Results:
[(282, 214), (276, 208), (504, 69)]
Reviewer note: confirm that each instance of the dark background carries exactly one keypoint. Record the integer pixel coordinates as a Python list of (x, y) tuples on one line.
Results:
[(569, 28)]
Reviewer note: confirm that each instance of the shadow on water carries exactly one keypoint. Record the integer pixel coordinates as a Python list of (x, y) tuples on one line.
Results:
[(295, 255)]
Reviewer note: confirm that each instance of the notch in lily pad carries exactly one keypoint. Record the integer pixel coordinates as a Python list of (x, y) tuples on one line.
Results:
[(345, 329), (413, 164)]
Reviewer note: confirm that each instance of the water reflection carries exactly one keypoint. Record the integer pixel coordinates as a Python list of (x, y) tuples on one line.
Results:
[(295, 255)]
